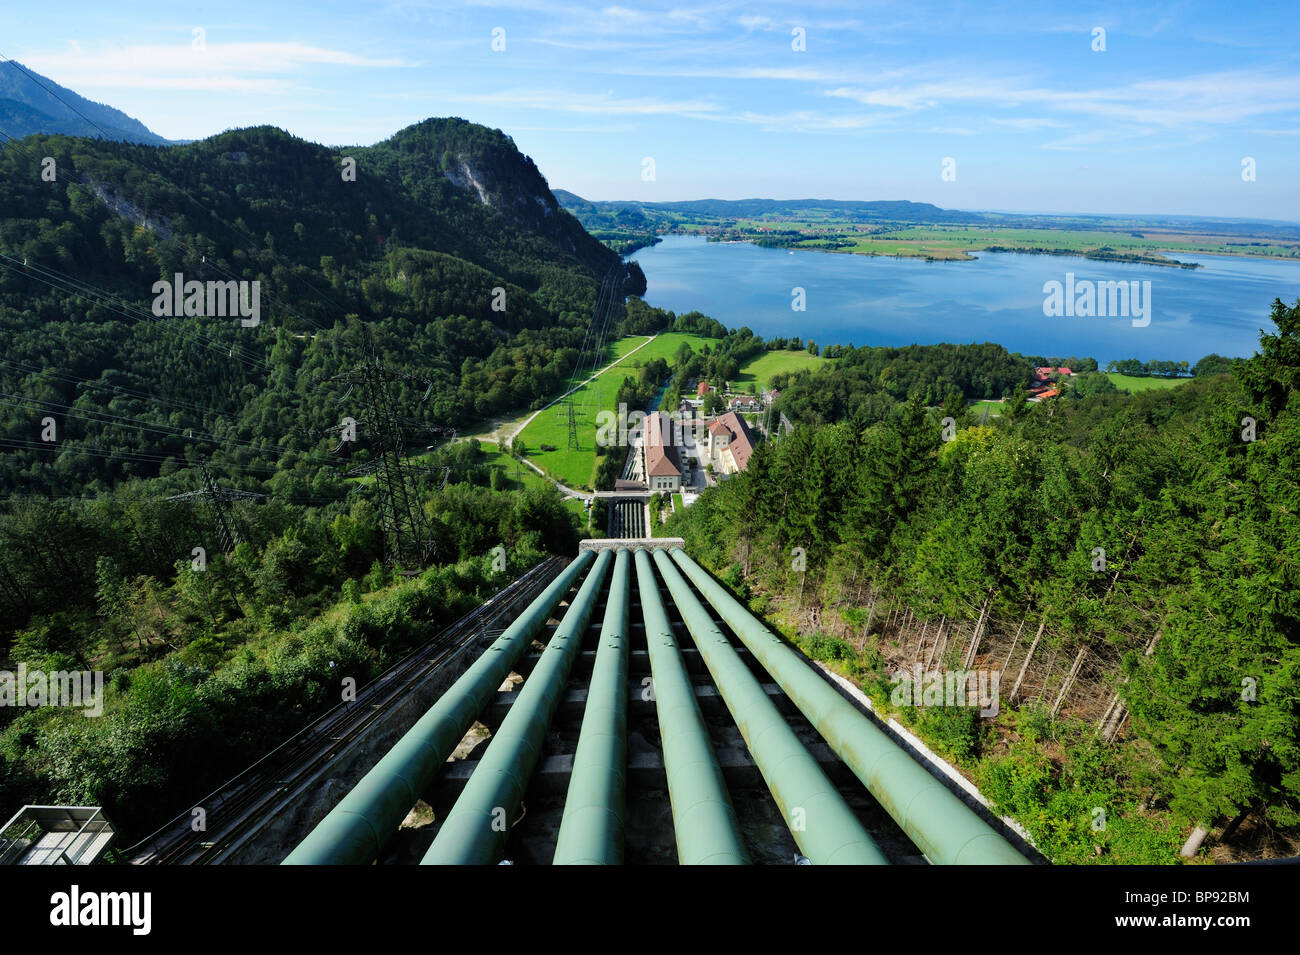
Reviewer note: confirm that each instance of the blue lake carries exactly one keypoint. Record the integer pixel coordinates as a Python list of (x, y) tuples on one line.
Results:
[(876, 300)]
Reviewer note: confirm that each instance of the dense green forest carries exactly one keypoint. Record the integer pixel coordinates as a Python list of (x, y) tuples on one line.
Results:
[(205, 665), (437, 218), (1192, 615), (867, 380), (444, 259), (96, 391), (1157, 368)]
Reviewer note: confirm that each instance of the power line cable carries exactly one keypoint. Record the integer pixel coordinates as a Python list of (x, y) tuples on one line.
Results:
[(138, 310), (18, 66), (245, 231), (90, 293), (116, 390)]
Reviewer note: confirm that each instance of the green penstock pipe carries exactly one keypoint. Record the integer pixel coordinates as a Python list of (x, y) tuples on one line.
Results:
[(591, 831), (943, 827), (704, 821), (356, 829), (476, 829), (823, 825)]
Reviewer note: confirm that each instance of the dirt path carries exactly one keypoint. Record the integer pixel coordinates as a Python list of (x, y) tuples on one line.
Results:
[(564, 489), (502, 427)]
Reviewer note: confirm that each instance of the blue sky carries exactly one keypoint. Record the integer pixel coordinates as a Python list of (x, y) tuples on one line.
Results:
[(1034, 118)]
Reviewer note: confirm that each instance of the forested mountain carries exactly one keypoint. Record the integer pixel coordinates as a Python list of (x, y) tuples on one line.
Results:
[(32, 103), (434, 271), (408, 257), (436, 218)]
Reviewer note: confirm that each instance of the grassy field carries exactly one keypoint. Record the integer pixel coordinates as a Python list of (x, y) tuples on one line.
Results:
[(677, 503), (577, 468), (497, 458), (527, 478), (578, 508), (1132, 383), (957, 242), (665, 346), (762, 368), (573, 468), (978, 408)]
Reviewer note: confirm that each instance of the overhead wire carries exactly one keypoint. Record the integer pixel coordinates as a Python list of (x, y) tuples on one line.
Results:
[(106, 417), (116, 390), (598, 353), (235, 226), (85, 291)]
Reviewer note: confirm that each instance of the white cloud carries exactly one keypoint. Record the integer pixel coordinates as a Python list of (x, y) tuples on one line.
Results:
[(1183, 103), (1126, 138), (565, 101), (232, 67), (1028, 122), (756, 22), (807, 121)]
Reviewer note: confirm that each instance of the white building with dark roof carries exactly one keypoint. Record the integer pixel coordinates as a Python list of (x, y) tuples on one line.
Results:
[(730, 443)]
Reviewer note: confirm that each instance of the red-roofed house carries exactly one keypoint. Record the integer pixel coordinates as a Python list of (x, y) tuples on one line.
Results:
[(702, 389), (662, 468), (730, 443)]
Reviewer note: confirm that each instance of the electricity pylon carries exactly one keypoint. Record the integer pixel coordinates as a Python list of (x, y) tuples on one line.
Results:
[(573, 426), (407, 539), (218, 500)]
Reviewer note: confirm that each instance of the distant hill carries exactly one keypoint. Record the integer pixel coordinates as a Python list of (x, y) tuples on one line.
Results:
[(627, 224), (878, 210), (27, 108)]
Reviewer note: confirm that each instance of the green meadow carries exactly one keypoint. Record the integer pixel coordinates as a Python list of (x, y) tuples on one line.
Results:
[(577, 469), (762, 368), (1133, 383)]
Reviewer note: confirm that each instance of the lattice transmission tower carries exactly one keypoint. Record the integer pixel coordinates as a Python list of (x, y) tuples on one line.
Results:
[(407, 538), (218, 500)]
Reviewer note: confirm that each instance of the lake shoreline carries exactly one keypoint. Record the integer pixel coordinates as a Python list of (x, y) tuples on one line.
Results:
[(966, 255), (895, 300)]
